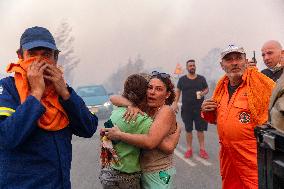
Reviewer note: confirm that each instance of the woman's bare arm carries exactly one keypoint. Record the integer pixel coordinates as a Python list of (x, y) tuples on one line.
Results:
[(158, 131), (170, 142), (132, 111), (119, 100)]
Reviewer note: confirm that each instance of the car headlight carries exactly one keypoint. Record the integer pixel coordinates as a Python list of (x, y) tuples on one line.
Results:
[(107, 104), (93, 109)]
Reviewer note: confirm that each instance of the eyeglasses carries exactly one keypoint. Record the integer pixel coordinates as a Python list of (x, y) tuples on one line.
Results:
[(163, 75)]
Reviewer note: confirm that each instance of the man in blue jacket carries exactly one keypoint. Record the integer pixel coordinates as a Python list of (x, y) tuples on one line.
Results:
[(38, 115)]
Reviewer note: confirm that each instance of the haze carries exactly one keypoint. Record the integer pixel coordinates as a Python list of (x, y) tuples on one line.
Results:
[(163, 32)]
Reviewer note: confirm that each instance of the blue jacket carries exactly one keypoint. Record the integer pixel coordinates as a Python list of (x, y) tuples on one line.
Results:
[(33, 158)]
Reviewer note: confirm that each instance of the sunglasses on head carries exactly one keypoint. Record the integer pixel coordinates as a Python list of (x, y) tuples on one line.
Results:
[(163, 75)]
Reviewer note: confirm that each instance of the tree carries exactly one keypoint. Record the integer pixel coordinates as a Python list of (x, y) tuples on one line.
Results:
[(115, 81), (212, 69), (67, 58)]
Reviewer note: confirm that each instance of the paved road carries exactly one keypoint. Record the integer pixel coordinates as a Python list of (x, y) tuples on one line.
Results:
[(194, 173)]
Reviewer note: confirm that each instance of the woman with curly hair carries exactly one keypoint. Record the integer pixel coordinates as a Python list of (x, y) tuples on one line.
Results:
[(127, 172), (156, 165)]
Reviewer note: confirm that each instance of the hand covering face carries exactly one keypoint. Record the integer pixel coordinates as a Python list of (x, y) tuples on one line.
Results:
[(55, 117)]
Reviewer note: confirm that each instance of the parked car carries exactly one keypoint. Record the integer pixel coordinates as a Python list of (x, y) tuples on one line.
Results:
[(96, 99)]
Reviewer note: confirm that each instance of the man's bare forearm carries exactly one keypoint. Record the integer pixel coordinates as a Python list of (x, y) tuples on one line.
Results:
[(177, 95)]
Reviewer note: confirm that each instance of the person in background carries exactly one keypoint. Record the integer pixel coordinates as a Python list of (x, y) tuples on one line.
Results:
[(38, 115), (239, 103), (193, 88), (273, 54)]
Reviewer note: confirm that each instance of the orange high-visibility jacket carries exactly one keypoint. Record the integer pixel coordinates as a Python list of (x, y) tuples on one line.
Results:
[(238, 153)]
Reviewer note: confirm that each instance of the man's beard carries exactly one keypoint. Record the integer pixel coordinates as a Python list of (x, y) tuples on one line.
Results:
[(192, 71), (235, 75)]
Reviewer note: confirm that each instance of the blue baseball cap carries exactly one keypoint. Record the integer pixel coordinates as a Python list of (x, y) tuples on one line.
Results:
[(37, 37)]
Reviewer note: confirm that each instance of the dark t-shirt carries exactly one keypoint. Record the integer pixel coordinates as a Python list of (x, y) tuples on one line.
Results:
[(188, 88), (232, 89), (272, 75)]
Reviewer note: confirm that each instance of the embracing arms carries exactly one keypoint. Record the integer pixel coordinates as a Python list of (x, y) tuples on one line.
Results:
[(159, 129)]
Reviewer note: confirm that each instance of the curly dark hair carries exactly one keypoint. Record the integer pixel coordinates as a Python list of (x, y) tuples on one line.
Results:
[(170, 88), (135, 89)]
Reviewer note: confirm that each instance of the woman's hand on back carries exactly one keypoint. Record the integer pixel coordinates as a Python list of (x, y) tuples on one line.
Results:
[(131, 113)]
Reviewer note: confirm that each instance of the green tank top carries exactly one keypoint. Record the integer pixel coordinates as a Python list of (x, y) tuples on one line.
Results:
[(129, 154)]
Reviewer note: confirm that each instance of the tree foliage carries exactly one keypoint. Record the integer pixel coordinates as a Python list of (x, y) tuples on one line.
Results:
[(116, 80), (212, 69), (67, 58)]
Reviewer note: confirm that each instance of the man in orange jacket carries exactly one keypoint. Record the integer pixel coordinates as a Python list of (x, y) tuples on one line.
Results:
[(239, 103)]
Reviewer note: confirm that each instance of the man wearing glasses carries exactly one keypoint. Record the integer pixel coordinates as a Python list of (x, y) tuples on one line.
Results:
[(193, 88)]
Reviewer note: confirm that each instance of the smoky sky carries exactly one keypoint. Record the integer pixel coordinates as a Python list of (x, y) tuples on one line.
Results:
[(162, 32)]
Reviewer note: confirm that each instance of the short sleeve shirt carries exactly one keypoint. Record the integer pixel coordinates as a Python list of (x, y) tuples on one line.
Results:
[(129, 154), (188, 88)]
